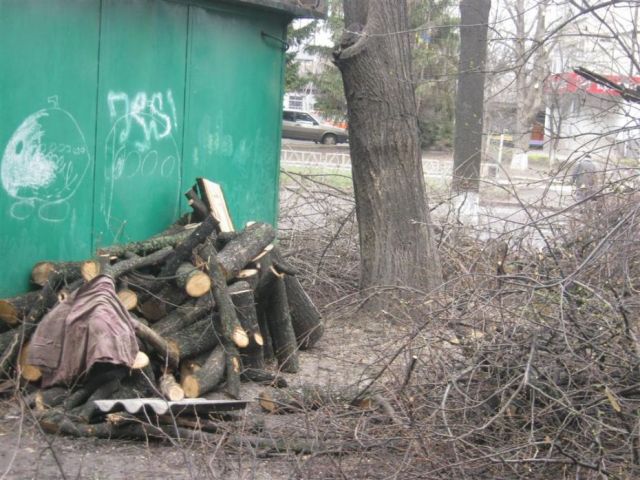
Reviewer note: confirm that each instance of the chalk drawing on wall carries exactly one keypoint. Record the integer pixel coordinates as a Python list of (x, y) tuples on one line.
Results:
[(213, 137), (153, 113), (43, 164), (140, 151)]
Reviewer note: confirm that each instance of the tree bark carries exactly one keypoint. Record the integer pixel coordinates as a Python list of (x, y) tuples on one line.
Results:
[(171, 390), (101, 374), (244, 247), (124, 266), (147, 246), (13, 310), (531, 71), (195, 339), (263, 377), (305, 318), (200, 210), (210, 374), (230, 327), (232, 371), (183, 317), (242, 296), (273, 295), (41, 271), (48, 398), (193, 281), (184, 249), (165, 349), (375, 61), (31, 373), (162, 304), (310, 397)]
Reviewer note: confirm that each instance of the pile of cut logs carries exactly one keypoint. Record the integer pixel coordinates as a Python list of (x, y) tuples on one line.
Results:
[(211, 307)]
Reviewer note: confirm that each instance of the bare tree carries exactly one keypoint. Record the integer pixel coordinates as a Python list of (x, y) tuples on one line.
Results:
[(467, 158), (532, 70), (396, 239)]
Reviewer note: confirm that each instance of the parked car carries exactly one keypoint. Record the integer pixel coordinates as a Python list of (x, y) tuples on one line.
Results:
[(300, 125)]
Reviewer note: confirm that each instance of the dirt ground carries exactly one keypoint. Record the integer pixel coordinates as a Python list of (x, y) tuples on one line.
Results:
[(341, 357)]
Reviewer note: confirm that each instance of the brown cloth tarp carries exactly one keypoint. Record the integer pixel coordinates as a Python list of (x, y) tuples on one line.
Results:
[(90, 326)]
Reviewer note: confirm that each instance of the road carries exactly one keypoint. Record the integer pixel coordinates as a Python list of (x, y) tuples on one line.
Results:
[(509, 201)]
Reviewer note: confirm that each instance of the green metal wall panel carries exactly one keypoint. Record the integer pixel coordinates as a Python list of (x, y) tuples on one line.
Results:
[(234, 109), (109, 109), (140, 118), (47, 122)]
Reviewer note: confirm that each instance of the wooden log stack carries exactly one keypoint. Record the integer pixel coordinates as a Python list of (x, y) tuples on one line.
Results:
[(211, 308)]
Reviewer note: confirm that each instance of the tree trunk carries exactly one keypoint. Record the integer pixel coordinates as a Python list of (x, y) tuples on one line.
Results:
[(232, 371), (184, 249), (241, 250), (193, 281), (208, 376), (13, 310), (48, 398), (195, 339), (530, 73), (124, 266), (182, 317), (229, 324), (273, 295), (147, 246), (31, 373), (166, 350), (396, 239), (242, 296), (467, 156), (128, 298), (310, 397), (41, 271), (170, 388), (163, 304), (305, 317)]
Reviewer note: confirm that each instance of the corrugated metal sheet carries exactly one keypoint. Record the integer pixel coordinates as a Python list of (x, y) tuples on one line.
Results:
[(159, 406)]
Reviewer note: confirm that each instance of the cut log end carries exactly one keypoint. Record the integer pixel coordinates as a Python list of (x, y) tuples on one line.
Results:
[(264, 253), (276, 273), (63, 295), (235, 363), (8, 313), (90, 270), (41, 271), (40, 404), (190, 387), (257, 337), (267, 402), (129, 298), (189, 367), (195, 282), (171, 390), (240, 337), (30, 373), (247, 273), (198, 285), (141, 361), (153, 309)]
